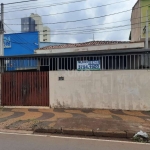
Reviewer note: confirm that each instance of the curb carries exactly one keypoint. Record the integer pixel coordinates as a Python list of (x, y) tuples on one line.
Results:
[(86, 132), (130, 134), (114, 134), (25, 107), (15, 131), (49, 130), (77, 132)]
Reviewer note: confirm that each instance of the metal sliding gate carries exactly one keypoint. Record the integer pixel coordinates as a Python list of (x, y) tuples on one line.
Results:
[(25, 89)]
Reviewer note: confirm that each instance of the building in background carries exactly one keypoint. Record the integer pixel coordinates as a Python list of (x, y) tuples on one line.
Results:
[(138, 20), (34, 23), (27, 24)]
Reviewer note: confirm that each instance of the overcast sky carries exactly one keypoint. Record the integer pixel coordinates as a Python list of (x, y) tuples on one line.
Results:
[(103, 22)]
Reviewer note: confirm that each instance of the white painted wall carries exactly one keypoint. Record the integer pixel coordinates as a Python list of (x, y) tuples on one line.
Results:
[(41, 28), (126, 90), (92, 48), (47, 33)]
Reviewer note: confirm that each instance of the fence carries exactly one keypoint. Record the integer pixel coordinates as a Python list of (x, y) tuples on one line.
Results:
[(53, 63)]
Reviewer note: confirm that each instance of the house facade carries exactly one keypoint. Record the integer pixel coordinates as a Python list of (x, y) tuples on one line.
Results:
[(96, 74), (104, 79)]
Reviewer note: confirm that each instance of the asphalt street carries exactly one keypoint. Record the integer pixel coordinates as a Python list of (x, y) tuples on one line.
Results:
[(44, 142)]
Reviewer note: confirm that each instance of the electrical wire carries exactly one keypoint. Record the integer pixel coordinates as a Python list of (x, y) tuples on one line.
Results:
[(79, 20), (56, 4), (30, 6), (96, 25), (88, 30), (19, 2), (72, 21), (77, 33), (96, 28), (77, 10)]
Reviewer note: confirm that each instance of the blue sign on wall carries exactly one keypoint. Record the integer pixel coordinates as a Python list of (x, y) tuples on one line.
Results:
[(21, 44), (7, 42), (88, 65)]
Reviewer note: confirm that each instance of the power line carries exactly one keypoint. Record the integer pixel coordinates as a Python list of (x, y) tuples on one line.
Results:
[(56, 4), (34, 6), (95, 25), (90, 32), (19, 2), (98, 28), (60, 30), (86, 30), (71, 21), (76, 10), (94, 32), (28, 4)]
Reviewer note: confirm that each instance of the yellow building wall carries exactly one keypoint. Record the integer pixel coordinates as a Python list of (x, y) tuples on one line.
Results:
[(145, 6)]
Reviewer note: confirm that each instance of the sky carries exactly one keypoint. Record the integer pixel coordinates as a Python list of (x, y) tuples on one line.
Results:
[(107, 28)]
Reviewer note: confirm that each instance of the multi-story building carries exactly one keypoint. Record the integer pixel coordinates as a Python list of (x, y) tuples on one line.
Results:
[(138, 20), (34, 23), (27, 24)]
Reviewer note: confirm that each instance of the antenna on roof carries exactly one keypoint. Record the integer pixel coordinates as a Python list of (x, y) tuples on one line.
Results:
[(93, 38)]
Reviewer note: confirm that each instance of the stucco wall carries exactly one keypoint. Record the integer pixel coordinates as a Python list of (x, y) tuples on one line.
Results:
[(127, 90)]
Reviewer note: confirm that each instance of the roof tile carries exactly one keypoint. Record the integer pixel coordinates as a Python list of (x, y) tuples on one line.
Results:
[(91, 43)]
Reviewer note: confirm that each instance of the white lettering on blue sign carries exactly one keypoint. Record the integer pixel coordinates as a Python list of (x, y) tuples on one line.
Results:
[(88, 65), (7, 42)]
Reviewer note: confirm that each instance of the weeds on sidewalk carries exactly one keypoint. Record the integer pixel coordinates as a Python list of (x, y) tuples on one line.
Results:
[(34, 123), (141, 139)]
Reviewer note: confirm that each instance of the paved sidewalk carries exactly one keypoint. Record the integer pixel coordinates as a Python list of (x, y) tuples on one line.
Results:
[(68, 121)]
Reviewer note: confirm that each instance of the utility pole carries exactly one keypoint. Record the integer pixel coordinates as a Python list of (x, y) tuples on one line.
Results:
[(2, 30), (2, 37), (147, 31)]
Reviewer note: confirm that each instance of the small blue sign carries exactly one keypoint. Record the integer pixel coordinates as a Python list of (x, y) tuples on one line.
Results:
[(88, 65), (7, 42)]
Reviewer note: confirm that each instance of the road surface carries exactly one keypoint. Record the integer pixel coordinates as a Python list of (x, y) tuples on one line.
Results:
[(44, 142)]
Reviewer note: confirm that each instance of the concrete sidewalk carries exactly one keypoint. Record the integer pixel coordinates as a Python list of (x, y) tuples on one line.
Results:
[(87, 122)]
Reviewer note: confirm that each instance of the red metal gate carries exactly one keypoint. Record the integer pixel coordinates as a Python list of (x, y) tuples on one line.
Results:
[(25, 89)]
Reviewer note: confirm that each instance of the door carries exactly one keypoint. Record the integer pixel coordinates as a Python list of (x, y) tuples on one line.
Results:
[(25, 89)]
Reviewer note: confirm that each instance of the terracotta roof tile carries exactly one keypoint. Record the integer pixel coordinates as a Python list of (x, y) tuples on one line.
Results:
[(92, 43)]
